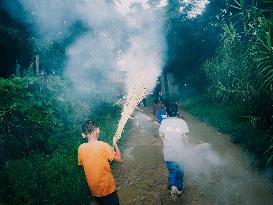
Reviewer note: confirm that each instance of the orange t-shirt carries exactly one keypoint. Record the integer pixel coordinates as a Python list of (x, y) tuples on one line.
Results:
[(95, 157)]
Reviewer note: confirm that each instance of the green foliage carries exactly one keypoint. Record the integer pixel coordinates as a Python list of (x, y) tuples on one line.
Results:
[(41, 117), (43, 179), (241, 72), (101, 115), (257, 29), (28, 117), (263, 53), (234, 120), (190, 42), (15, 43), (228, 118), (230, 74)]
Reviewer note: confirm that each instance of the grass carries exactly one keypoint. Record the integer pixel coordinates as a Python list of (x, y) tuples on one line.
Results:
[(56, 178), (231, 119)]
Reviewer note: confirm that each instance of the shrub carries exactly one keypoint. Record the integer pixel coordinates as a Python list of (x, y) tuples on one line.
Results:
[(40, 135)]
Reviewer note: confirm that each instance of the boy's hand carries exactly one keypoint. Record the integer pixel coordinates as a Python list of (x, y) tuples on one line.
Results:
[(117, 157), (161, 137), (156, 123)]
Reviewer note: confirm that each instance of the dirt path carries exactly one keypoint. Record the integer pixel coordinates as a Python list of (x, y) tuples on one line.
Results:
[(142, 178)]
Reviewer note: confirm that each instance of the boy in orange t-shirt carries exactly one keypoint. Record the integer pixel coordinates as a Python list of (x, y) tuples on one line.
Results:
[(94, 156)]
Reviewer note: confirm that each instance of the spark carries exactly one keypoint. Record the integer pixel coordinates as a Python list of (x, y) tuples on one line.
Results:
[(135, 95)]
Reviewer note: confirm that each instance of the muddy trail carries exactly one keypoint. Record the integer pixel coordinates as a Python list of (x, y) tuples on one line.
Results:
[(142, 178)]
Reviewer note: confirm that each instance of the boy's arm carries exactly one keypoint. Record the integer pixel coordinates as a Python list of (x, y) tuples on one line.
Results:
[(117, 156), (161, 136), (79, 157), (161, 131)]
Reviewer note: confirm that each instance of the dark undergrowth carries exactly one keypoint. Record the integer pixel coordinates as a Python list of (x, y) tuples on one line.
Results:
[(233, 119), (40, 134)]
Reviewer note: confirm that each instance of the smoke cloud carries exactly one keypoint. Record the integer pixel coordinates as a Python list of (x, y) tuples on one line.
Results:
[(197, 159), (123, 43)]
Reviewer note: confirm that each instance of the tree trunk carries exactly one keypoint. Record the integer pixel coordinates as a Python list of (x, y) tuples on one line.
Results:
[(37, 63), (165, 74)]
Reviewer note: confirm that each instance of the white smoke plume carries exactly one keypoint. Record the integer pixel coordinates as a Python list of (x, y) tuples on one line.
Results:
[(198, 158), (122, 48), (143, 60)]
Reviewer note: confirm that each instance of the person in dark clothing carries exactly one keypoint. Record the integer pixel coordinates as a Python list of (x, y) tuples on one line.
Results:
[(156, 106), (160, 97), (107, 200), (161, 114)]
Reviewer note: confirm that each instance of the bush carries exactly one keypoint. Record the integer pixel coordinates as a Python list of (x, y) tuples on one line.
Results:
[(40, 135), (232, 119), (240, 73), (231, 75)]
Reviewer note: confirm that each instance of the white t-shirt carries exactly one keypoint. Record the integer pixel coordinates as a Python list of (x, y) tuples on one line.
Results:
[(173, 129)]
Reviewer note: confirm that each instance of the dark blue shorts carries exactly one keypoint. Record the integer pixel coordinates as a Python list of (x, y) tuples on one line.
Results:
[(111, 199)]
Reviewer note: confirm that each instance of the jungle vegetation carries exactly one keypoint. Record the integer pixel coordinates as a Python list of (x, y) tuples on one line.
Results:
[(225, 55), (41, 117), (234, 78)]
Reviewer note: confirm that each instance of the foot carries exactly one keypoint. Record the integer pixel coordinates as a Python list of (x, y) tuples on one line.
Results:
[(174, 192), (181, 191)]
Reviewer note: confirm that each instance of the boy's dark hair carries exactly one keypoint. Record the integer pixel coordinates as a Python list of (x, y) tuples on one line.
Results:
[(172, 110), (88, 127)]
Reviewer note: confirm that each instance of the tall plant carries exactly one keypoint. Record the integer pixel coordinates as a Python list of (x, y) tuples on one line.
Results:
[(242, 69), (257, 24), (229, 75)]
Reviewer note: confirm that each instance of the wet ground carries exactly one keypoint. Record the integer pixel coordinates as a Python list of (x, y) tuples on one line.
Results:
[(142, 178)]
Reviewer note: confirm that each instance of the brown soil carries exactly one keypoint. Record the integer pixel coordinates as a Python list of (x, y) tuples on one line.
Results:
[(142, 178)]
